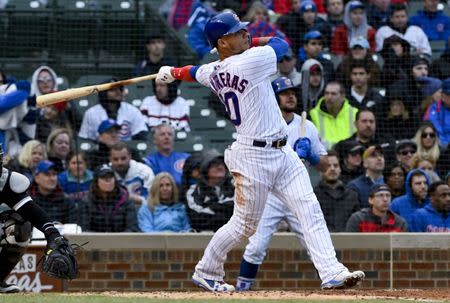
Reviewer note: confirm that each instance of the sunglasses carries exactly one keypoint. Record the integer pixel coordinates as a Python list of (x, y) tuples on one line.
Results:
[(431, 135), (408, 151)]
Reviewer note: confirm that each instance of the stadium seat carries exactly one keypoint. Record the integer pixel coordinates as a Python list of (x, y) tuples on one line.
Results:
[(192, 143)]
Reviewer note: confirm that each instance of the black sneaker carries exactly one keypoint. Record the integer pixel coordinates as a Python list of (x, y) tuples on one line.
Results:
[(8, 288)]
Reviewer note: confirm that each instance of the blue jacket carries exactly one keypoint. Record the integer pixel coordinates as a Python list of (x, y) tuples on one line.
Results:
[(163, 218), (362, 186), (74, 188), (439, 115), (407, 204), (173, 164), (435, 25), (428, 219)]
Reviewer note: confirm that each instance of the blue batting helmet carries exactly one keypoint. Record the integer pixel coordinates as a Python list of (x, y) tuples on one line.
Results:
[(282, 84), (221, 25)]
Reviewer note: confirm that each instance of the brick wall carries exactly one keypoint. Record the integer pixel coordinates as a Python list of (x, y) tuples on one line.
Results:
[(415, 262)]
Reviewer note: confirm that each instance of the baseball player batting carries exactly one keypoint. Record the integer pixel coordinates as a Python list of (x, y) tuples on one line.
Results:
[(260, 159)]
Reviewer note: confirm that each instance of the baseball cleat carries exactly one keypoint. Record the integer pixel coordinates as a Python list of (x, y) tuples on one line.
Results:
[(8, 288), (211, 285), (244, 284), (345, 280)]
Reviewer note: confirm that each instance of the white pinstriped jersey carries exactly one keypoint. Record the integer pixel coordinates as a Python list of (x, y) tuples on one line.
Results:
[(310, 132), (254, 112)]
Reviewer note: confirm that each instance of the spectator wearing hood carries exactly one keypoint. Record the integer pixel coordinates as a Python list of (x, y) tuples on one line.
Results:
[(377, 217), (355, 25), (350, 159), (434, 22), (191, 174), (397, 60), (312, 84), (359, 50), (434, 217), (286, 68), (211, 200), (166, 107), (416, 196), (112, 106), (155, 46), (396, 121), (398, 25), (374, 164), (336, 200), (200, 14), (439, 114), (297, 23), (58, 115), (410, 88), (312, 49)]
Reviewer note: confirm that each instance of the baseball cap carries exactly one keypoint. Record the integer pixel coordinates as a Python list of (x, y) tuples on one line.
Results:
[(405, 143), (289, 54), (315, 68), (312, 35), (103, 170), (378, 188), (44, 166), (308, 6), (371, 150), (359, 41), (446, 86), (354, 5), (430, 85), (107, 125)]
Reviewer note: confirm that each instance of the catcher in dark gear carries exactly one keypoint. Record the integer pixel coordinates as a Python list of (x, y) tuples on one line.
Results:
[(18, 213)]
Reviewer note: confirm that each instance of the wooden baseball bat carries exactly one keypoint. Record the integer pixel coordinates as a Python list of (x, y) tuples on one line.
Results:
[(302, 125), (74, 93)]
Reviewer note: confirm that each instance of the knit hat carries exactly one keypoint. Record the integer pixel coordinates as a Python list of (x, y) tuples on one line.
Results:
[(308, 6), (446, 86), (430, 85), (377, 188), (420, 59)]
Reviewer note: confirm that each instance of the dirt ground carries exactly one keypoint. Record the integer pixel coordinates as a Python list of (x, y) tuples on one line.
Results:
[(413, 294)]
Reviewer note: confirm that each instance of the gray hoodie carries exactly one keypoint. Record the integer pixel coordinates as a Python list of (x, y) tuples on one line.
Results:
[(311, 95)]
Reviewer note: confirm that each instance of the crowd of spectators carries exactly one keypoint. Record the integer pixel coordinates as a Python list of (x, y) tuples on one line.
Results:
[(365, 77)]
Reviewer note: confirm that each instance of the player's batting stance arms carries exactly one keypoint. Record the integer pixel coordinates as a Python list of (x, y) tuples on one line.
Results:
[(260, 159), (16, 220)]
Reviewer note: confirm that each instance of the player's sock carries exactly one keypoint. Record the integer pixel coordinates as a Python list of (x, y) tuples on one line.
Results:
[(39, 219), (248, 270)]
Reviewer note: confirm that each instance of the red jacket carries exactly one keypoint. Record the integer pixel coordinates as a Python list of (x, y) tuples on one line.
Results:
[(340, 42)]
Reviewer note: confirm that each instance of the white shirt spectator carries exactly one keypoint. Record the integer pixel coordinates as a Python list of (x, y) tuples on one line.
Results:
[(414, 35), (128, 117), (176, 114)]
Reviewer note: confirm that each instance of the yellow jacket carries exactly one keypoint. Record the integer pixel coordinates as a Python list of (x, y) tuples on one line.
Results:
[(334, 129)]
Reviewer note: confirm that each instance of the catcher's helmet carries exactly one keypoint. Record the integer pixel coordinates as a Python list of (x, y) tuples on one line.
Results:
[(222, 24), (282, 84)]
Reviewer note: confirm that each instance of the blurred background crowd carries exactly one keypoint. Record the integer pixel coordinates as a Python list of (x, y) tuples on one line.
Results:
[(373, 76)]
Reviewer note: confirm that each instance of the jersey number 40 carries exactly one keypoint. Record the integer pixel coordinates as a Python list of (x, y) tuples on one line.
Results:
[(231, 102)]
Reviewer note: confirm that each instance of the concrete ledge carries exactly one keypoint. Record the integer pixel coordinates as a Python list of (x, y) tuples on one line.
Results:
[(279, 241)]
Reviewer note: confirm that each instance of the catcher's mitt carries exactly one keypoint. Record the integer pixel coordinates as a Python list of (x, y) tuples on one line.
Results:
[(59, 260)]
